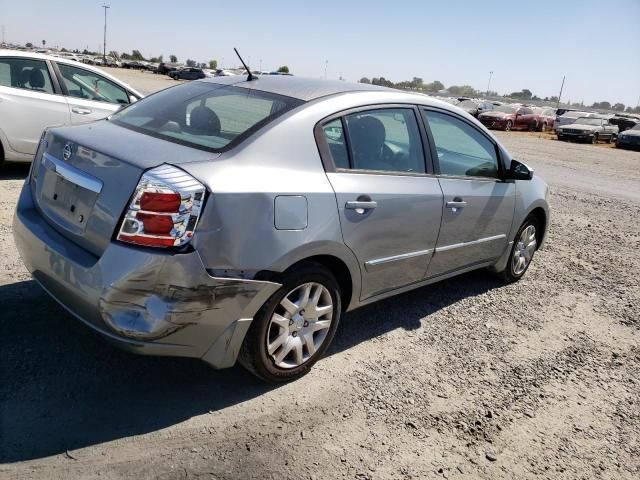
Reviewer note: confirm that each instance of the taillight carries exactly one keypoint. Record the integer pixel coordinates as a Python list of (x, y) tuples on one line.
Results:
[(164, 210)]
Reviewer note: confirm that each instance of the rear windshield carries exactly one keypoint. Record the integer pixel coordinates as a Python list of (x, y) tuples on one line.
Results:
[(204, 115)]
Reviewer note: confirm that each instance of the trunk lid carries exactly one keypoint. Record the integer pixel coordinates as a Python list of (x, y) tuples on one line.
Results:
[(83, 177)]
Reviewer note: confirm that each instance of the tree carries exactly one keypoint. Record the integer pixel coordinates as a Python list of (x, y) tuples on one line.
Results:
[(601, 105), (382, 82), (113, 54), (463, 91), (283, 69), (44, 42), (155, 60), (136, 55), (29, 45), (365, 80), (524, 94), (173, 59), (434, 86), (618, 107), (213, 64)]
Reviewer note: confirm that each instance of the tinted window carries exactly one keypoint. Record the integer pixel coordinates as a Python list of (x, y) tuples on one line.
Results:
[(204, 114), (385, 140), (462, 150), (25, 73), (525, 111), (82, 83), (334, 135)]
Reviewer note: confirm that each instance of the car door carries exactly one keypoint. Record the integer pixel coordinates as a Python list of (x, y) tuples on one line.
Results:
[(90, 95), (478, 204), (389, 204), (29, 102), (524, 117)]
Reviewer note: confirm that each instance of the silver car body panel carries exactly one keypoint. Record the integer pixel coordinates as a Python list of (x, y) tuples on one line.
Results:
[(270, 205)]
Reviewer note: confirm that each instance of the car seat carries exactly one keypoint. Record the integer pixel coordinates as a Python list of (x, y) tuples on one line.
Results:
[(204, 121)]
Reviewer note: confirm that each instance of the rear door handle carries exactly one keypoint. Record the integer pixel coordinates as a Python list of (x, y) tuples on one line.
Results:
[(81, 111), (360, 206)]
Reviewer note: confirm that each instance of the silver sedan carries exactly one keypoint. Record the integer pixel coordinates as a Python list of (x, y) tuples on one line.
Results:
[(234, 219)]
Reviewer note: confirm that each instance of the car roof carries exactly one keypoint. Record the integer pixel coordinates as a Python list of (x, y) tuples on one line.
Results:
[(66, 61), (302, 88)]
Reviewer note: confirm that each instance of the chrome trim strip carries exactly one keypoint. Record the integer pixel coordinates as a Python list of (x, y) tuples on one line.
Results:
[(468, 244), (72, 174), (403, 256)]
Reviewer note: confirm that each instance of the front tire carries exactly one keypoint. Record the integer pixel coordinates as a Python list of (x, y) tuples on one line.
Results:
[(294, 328), (594, 139), (524, 247), (543, 127), (612, 139), (507, 128)]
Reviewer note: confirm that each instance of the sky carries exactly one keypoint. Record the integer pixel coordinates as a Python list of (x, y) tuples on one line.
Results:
[(594, 43)]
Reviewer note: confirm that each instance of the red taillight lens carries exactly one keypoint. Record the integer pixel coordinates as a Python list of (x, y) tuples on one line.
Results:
[(165, 209), (160, 202)]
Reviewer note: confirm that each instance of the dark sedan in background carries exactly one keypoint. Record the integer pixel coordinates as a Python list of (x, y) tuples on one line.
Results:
[(629, 138), (475, 108), (189, 73)]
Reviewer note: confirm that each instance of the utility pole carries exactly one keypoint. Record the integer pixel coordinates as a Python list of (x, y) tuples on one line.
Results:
[(326, 64), (3, 33), (104, 43), (560, 96), (489, 83)]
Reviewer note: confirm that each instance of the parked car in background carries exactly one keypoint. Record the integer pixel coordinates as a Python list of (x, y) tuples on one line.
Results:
[(624, 122), (630, 138), (187, 73), (510, 117), (164, 68), (568, 117), (39, 91), (475, 107), (592, 129), (545, 118), (227, 219)]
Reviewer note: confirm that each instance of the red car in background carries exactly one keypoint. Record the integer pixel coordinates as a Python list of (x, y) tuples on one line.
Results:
[(545, 118), (510, 117)]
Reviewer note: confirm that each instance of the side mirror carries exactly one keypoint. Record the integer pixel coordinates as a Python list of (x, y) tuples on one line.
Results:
[(519, 171), (133, 99)]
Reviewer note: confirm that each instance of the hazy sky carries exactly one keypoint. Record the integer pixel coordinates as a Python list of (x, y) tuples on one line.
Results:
[(595, 43)]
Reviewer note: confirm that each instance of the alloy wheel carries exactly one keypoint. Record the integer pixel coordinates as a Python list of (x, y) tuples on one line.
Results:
[(525, 248), (299, 325)]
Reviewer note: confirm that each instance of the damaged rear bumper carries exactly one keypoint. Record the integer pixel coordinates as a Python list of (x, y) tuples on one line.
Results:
[(145, 301)]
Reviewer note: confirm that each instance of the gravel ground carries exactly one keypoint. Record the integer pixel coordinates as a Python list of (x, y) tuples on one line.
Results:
[(463, 379)]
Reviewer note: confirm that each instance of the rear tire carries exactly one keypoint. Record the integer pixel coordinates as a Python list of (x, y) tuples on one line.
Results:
[(267, 328), (543, 127), (594, 139), (612, 139), (525, 244), (533, 126)]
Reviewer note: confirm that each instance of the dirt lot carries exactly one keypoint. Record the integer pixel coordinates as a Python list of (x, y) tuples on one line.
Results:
[(464, 379)]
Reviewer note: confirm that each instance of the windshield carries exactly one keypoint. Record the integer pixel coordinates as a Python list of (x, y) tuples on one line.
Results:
[(573, 114), (635, 127), (204, 115), (468, 104), (505, 109), (588, 121)]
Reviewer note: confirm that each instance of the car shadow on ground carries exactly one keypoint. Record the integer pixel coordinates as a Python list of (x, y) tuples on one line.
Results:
[(14, 171), (62, 387)]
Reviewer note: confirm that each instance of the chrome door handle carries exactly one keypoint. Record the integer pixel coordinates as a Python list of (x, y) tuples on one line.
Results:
[(456, 204), (360, 206), (81, 111)]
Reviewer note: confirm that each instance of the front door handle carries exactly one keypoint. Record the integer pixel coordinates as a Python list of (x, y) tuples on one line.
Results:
[(81, 111), (360, 206), (456, 204)]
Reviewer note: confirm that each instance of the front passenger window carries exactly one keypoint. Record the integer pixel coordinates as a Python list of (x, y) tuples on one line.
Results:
[(82, 83), (462, 150)]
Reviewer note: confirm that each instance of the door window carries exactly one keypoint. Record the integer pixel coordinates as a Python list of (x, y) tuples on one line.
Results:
[(334, 135), (462, 150), (385, 140), (26, 74), (82, 83)]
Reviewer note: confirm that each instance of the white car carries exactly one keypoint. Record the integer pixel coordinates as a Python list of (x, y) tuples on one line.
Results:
[(568, 118), (39, 91)]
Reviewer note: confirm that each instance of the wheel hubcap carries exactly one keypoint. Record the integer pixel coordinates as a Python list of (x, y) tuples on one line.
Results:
[(525, 248), (299, 325)]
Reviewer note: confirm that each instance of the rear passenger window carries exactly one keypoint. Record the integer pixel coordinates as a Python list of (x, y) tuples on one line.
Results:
[(26, 74), (334, 134), (385, 140), (462, 150)]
